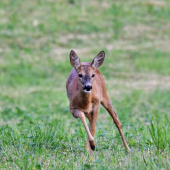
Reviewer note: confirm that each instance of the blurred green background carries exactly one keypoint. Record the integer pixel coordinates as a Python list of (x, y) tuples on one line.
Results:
[(37, 130)]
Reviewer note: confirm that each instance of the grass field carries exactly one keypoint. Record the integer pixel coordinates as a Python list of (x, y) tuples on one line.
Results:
[(37, 130)]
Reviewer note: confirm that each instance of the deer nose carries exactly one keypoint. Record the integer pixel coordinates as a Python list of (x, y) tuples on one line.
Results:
[(88, 88)]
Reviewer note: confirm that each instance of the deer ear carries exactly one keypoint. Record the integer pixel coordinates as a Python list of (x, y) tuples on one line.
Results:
[(98, 60), (74, 60)]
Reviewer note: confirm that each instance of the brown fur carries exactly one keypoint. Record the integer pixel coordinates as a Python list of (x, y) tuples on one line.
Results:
[(87, 104)]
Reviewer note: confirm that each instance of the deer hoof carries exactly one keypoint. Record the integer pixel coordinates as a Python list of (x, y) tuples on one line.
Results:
[(92, 145)]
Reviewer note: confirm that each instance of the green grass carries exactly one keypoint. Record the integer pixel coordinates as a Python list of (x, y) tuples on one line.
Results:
[(37, 130)]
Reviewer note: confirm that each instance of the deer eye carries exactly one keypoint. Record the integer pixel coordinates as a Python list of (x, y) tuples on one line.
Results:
[(80, 75), (93, 75)]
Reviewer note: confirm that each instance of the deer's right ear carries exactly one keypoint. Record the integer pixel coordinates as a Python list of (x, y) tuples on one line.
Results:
[(74, 60)]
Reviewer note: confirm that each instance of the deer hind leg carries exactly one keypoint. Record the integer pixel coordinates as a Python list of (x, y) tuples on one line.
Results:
[(92, 119), (79, 114), (108, 106)]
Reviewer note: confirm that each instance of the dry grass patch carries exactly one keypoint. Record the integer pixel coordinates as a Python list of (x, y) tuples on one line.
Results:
[(141, 81)]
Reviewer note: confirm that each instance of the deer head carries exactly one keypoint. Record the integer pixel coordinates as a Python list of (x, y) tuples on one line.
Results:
[(86, 73)]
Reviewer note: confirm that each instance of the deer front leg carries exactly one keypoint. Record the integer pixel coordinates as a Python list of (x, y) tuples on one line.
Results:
[(92, 120), (88, 148), (79, 114), (108, 106)]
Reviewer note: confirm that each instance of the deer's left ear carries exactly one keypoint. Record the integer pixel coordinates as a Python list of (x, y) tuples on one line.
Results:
[(98, 60)]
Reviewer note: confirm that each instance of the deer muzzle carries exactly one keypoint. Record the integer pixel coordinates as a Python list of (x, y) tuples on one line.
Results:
[(87, 89)]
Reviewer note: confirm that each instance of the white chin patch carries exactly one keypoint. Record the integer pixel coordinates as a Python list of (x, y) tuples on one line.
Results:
[(87, 91)]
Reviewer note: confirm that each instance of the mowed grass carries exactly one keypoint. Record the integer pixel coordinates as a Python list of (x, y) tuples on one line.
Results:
[(37, 130)]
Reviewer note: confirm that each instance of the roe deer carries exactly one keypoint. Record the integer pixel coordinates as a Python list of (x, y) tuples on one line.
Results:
[(86, 89)]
